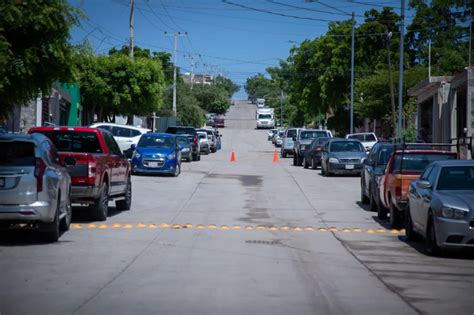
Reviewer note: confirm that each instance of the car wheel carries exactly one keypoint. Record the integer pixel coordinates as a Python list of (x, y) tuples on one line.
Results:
[(363, 198), (126, 203), (395, 217), (100, 207), (177, 170), (299, 160), (409, 231), (294, 160), (323, 171), (283, 154), (382, 212), (305, 163), (50, 231), (199, 157), (66, 221), (313, 164), (431, 244)]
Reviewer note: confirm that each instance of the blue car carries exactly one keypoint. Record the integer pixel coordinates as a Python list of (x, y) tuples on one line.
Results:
[(157, 153)]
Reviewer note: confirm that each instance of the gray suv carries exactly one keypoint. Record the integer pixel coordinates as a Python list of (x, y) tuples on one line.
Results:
[(34, 187), (303, 140)]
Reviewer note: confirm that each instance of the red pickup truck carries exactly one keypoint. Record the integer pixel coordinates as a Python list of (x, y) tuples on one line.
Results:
[(100, 173)]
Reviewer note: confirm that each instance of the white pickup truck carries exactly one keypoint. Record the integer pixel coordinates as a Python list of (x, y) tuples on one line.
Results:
[(265, 118)]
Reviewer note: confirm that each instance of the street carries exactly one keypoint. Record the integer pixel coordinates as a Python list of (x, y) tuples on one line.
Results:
[(243, 237)]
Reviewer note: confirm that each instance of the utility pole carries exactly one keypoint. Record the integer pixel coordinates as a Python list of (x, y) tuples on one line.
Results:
[(281, 107), (131, 28), (388, 38), (175, 48), (400, 79), (469, 59), (352, 73)]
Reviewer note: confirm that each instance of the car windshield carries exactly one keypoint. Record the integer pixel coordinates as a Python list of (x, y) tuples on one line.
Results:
[(202, 135), (281, 134), (74, 141), (346, 146), (156, 142), (363, 137), (456, 178), (384, 156), (17, 153), (417, 162), (264, 116), (313, 134), (181, 130)]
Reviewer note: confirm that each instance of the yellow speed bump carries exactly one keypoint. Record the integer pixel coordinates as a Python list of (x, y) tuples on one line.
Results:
[(200, 226), (309, 228), (248, 227), (297, 229), (236, 227), (91, 226), (116, 225), (127, 226), (358, 230), (188, 226), (380, 231), (176, 226), (322, 230), (141, 225), (152, 226), (370, 231), (346, 230), (164, 225), (224, 227), (76, 226), (285, 228), (212, 226), (261, 227), (273, 228), (103, 226), (333, 229)]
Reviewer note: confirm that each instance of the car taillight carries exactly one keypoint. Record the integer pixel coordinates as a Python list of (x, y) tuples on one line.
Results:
[(40, 168), (195, 139), (398, 188), (213, 138), (318, 149)]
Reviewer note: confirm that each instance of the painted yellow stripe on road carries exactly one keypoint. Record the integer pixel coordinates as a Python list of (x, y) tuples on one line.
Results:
[(175, 226)]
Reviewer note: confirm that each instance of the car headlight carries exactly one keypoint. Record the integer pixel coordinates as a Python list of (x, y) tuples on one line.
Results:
[(136, 155), (333, 160), (453, 213), (302, 147), (185, 149), (171, 156)]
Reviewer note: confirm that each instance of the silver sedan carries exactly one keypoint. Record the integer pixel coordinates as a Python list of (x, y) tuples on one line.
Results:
[(441, 206)]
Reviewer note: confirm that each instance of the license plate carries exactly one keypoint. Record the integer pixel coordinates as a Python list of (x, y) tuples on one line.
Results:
[(153, 164), (2, 182), (349, 166)]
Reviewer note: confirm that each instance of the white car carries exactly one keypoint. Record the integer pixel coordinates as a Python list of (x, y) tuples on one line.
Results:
[(368, 139), (124, 135)]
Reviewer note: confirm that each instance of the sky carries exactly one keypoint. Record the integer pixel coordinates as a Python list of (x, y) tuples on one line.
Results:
[(235, 38)]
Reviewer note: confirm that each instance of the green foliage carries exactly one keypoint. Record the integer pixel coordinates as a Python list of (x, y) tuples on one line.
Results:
[(187, 106), (259, 86), (212, 98), (120, 85), (226, 84), (34, 48)]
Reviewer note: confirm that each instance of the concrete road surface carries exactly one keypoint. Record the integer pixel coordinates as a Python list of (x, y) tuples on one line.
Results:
[(248, 237)]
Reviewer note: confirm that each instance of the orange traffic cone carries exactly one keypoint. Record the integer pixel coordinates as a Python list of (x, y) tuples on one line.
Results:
[(275, 157), (232, 157)]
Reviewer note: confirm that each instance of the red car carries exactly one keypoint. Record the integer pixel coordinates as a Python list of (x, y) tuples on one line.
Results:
[(100, 173), (219, 122)]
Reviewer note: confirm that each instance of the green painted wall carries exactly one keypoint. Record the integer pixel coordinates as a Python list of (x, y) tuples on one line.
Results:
[(74, 92)]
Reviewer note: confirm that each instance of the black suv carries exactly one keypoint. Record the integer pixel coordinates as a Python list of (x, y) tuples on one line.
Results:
[(372, 169), (193, 138)]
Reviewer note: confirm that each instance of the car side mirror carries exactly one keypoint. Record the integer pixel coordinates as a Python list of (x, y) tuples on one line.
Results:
[(423, 184), (128, 153), (368, 162), (69, 161), (133, 146)]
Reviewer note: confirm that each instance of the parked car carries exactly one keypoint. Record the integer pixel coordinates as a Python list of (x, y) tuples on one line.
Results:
[(279, 138), (303, 140), (211, 139), (405, 165), (123, 134), (342, 156), (210, 119), (193, 138), (368, 139), (101, 172), (287, 145), (372, 170), (219, 122), (157, 153), (204, 142), (35, 187), (271, 133), (312, 156), (185, 147), (441, 206)]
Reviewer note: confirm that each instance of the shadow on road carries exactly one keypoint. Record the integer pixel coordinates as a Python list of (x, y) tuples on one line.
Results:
[(419, 246), (81, 214)]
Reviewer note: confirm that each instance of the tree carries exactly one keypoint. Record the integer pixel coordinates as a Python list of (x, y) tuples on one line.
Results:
[(212, 98), (34, 48), (189, 113), (225, 83), (121, 85), (258, 86)]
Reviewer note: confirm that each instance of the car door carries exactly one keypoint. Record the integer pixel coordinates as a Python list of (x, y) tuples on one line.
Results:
[(426, 197), (416, 203), (117, 167), (368, 169), (59, 171)]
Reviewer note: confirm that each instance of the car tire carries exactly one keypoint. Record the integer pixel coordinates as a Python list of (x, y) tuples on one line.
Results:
[(395, 217), (177, 170), (431, 244), (199, 157), (294, 160), (50, 232), (410, 233), (283, 154), (382, 212), (299, 160), (305, 163), (372, 202), (65, 223), (126, 203), (363, 198), (100, 208), (194, 157), (323, 171), (313, 164)]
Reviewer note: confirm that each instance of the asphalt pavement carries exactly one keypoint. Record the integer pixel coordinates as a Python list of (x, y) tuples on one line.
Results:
[(243, 237)]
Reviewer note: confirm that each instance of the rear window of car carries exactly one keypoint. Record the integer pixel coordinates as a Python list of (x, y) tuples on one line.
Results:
[(181, 130), (313, 134), (456, 178), (156, 142), (346, 146), (291, 133), (74, 141), (17, 153), (184, 140), (417, 162)]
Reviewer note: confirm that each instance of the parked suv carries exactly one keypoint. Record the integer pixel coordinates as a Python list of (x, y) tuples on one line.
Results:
[(124, 135), (35, 187), (302, 142), (101, 171), (287, 145), (193, 138), (368, 139)]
